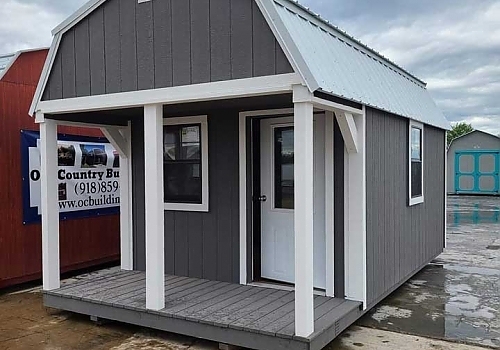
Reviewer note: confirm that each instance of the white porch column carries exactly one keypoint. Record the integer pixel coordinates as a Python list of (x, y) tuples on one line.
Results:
[(355, 210), (304, 192), (121, 141), (153, 158), (50, 205)]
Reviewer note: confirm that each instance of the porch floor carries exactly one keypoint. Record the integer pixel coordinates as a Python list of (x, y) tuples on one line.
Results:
[(247, 316)]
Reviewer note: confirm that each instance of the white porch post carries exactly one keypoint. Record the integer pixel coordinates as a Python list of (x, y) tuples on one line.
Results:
[(355, 207), (50, 205), (126, 215), (121, 141), (153, 157), (304, 171)]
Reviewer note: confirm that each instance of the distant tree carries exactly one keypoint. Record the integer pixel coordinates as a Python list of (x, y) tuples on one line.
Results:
[(458, 130)]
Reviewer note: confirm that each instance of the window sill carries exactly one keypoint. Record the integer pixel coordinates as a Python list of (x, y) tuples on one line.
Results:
[(416, 200), (186, 207)]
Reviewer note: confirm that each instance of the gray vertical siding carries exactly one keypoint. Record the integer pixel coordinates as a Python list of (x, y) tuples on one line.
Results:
[(201, 245), (400, 239), (127, 46), (338, 184)]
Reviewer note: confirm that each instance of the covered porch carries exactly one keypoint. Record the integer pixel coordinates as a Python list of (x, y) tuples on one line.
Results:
[(311, 321), (248, 316)]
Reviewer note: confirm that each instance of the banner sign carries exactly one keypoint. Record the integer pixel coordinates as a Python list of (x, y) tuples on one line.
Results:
[(88, 177)]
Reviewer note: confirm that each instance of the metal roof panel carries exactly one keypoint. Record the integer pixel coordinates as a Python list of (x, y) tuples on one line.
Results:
[(344, 67)]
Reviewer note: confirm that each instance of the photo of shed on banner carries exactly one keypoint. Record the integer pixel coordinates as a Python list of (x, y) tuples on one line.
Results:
[(88, 174)]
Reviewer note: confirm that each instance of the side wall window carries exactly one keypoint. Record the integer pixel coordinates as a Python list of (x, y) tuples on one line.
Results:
[(185, 163), (416, 163)]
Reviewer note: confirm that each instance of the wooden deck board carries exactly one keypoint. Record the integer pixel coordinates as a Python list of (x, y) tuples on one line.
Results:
[(264, 312)]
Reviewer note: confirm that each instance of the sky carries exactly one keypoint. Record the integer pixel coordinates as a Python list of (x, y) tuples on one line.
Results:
[(453, 45)]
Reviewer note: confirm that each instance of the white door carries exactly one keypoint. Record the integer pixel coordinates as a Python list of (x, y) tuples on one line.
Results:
[(277, 200)]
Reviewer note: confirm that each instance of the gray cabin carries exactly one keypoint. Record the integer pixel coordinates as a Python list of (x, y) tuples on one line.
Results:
[(474, 164), (216, 107)]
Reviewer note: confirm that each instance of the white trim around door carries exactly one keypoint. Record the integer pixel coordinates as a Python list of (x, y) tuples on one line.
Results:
[(246, 275)]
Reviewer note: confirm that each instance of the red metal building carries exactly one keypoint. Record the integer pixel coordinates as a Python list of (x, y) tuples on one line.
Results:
[(84, 242)]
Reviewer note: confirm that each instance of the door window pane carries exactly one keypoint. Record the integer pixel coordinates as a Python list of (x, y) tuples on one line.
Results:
[(283, 168)]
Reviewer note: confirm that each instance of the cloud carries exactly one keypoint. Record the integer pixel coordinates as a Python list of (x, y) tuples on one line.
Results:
[(454, 45)]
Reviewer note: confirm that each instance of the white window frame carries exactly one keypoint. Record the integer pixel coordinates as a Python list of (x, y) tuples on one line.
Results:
[(204, 206), (420, 199)]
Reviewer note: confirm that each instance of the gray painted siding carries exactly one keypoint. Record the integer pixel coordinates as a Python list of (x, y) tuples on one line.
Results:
[(339, 253), (400, 239), (127, 46), (473, 141), (199, 245)]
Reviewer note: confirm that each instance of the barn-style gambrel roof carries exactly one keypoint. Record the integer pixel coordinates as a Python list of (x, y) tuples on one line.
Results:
[(327, 59)]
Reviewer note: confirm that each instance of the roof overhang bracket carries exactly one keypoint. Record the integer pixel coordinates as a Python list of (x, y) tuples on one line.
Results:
[(349, 131)]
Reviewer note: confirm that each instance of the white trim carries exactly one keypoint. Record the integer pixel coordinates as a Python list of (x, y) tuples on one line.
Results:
[(237, 88), (244, 278), (44, 76), (349, 131), (288, 288), (154, 216), (445, 191), (355, 218), (116, 139), (204, 206), (330, 203), (77, 16), (10, 64), (304, 95), (304, 217), (15, 56), (287, 44), (121, 141), (50, 206), (243, 197), (420, 199)]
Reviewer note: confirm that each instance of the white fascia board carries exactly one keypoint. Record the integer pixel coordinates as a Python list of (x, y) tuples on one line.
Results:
[(9, 65), (292, 53), (237, 88), (77, 16), (44, 77)]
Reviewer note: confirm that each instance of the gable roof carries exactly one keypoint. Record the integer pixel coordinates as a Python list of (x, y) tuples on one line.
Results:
[(327, 59), (5, 63), (474, 132)]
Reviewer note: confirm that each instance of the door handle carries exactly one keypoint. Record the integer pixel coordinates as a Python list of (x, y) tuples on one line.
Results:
[(262, 198)]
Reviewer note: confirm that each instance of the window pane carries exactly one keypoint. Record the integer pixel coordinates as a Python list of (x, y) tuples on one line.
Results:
[(416, 179), (190, 139), (169, 145), (182, 164), (182, 182), (416, 140), (284, 168)]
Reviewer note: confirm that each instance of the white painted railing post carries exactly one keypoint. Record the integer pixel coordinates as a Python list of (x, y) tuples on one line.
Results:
[(121, 141), (126, 215), (304, 212), (50, 205), (153, 158), (355, 216)]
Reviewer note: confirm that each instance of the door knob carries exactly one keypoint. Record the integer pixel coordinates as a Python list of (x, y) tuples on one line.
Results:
[(263, 198)]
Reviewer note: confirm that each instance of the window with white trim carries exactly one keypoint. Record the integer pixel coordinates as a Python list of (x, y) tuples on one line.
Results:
[(185, 163), (416, 163)]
